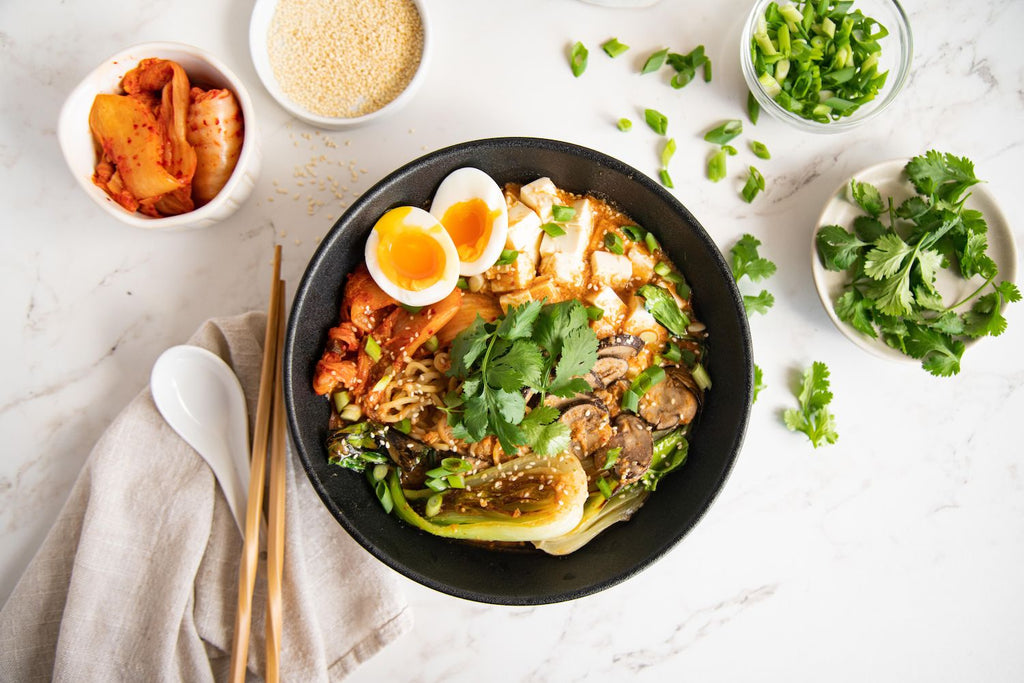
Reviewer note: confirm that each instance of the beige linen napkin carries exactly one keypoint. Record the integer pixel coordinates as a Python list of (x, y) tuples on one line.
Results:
[(137, 579)]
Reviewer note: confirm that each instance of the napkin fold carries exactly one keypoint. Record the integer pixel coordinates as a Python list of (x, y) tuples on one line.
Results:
[(138, 578)]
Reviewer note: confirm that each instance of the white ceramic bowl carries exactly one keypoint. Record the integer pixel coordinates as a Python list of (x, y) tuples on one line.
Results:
[(891, 181), (76, 140), (259, 29)]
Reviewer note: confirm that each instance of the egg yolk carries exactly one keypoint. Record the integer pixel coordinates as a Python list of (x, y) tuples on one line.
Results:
[(469, 224), (408, 255)]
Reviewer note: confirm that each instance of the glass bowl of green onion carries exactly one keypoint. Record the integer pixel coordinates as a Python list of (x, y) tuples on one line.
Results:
[(825, 66)]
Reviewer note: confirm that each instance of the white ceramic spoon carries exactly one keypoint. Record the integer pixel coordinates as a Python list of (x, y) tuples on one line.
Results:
[(202, 400)]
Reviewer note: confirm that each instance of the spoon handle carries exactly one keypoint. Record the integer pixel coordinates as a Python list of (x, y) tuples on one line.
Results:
[(257, 477)]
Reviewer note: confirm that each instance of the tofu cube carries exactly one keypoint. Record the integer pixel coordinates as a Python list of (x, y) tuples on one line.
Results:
[(643, 263), (562, 257), (540, 195), (611, 269), (614, 310), (513, 276), (524, 233)]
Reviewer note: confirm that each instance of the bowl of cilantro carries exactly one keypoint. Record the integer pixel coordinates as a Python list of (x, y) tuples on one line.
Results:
[(825, 66), (523, 575), (914, 261)]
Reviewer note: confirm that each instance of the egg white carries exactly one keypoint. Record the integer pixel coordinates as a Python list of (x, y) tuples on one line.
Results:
[(468, 183), (419, 220)]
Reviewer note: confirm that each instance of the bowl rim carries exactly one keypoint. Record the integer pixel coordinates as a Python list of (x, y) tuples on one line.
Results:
[(892, 88), (708, 495), (259, 25), (71, 122)]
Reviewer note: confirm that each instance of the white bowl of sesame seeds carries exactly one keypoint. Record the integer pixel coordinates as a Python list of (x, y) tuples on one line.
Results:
[(340, 63)]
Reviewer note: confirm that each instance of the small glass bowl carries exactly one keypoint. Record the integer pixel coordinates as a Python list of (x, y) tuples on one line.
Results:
[(897, 50)]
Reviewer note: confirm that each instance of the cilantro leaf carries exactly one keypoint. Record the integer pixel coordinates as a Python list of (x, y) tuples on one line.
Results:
[(867, 197), (758, 382), (940, 353), (837, 248), (852, 307), (520, 366), (579, 353), (518, 321), (813, 417), (467, 347), (544, 432), (985, 316), (759, 303), (746, 260), (944, 177), (887, 257)]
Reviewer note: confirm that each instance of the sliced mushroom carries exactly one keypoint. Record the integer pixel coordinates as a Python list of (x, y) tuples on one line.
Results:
[(623, 346), (606, 370), (589, 427), (672, 402), (633, 438)]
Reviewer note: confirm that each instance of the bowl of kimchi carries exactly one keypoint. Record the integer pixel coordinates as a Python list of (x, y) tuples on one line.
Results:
[(162, 136)]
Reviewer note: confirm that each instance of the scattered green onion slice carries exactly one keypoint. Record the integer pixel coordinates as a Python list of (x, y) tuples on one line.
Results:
[(613, 48), (372, 348), (724, 132), (754, 184), (404, 425), (716, 166), (613, 243), (461, 283), (433, 505), (553, 229), (412, 309), (432, 344), (666, 179), (655, 61), (437, 485), (383, 494), (672, 353), (507, 256), (456, 481), (649, 377), (595, 312), (707, 71), (760, 150), (662, 268), (701, 377), (562, 214), (379, 472), (625, 124), (667, 152), (351, 413), (753, 108), (656, 120), (578, 59), (630, 401), (341, 399), (605, 487), (730, 150), (611, 456)]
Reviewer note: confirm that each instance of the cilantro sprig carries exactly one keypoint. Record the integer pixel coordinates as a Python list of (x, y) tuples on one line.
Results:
[(547, 348), (813, 417), (745, 261), (893, 256)]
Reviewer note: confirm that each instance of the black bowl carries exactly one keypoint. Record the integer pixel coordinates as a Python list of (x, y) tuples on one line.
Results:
[(527, 577)]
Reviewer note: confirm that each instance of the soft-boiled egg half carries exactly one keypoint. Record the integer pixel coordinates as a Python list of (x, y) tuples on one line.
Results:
[(471, 207), (411, 257)]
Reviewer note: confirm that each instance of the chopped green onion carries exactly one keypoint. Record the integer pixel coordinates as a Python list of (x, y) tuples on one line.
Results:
[(562, 214), (754, 184), (613, 48), (595, 312), (630, 401), (456, 481), (648, 378), (412, 309), (655, 61), (701, 377), (665, 178), (614, 243), (724, 132), (553, 229), (605, 487), (625, 124), (437, 485), (578, 59), (372, 348), (667, 152), (382, 382), (656, 120), (461, 283), (433, 505), (432, 344), (379, 472), (611, 456), (456, 465), (507, 256), (652, 243), (662, 268), (730, 150), (341, 399), (753, 108), (634, 232), (716, 166), (383, 494), (404, 425), (672, 353), (351, 413), (760, 150), (707, 71)]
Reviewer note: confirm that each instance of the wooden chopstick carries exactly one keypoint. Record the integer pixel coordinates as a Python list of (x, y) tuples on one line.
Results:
[(275, 514), (257, 476)]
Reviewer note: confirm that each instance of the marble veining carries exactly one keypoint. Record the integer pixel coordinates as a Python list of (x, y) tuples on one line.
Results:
[(892, 555)]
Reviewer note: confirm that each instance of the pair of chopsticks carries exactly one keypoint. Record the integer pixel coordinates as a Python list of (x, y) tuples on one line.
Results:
[(269, 435)]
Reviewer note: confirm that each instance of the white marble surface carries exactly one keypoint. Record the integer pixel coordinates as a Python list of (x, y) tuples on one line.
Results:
[(893, 555)]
